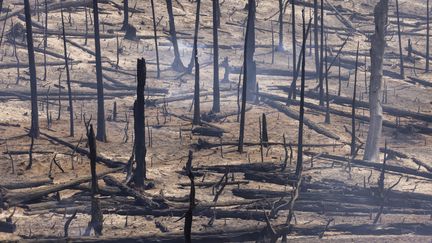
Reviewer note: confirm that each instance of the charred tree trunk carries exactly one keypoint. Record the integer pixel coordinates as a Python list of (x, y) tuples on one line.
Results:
[(402, 72), (101, 136), (353, 124), (195, 44), (264, 135), (45, 40), (250, 62), (321, 69), (378, 44), (327, 115), (71, 114), (177, 64), (140, 149), (34, 131), (316, 41), (92, 156), (189, 213), (246, 55), (427, 35), (196, 117), (294, 49), (216, 93), (299, 165), (155, 40), (125, 14), (281, 13)]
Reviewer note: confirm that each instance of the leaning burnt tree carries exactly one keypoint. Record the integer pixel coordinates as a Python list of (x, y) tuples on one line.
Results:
[(177, 64), (100, 135), (248, 55), (216, 92), (71, 114), (34, 131), (139, 126), (378, 43)]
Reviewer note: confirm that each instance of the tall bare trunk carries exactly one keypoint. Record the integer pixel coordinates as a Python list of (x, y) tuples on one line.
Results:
[(427, 35), (401, 63), (101, 136), (155, 40), (378, 44), (353, 107), (177, 63), (45, 40), (196, 117), (216, 93), (316, 41), (71, 114), (125, 14), (294, 49), (281, 12), (251, 64), (195, 44), (321, 69), (34, 132)]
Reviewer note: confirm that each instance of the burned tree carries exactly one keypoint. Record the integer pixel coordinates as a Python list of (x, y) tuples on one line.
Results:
[(125, 14), (281, 13), (45, 40), (316, 41), (378, 44), (195, 44), (71, 114), (34, 131), (196, 117), (246, 57), (294, 49), (216, 93), (401, 59), (189, 213), (321, 66), (139, 126), (155, 39), (177, 64), (353, 107), (427, 35), (101, 136)]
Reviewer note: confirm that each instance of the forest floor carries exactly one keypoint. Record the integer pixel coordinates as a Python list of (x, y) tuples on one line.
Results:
[(172, 137)]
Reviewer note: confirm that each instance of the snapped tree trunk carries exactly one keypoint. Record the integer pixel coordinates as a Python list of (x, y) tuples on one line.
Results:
[(177, 64), (71, 114), (34, 131), (101, 136), (216, 93), (378, 44), (155, 40), (140, 149)]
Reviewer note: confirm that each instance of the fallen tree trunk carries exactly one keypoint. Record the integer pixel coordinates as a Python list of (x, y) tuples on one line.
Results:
[(27, 184)]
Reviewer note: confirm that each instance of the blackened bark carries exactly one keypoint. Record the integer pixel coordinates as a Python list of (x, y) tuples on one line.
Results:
[(45, 40), (401, 63), (101, 136), (353, 125), (155, 39), (264, 135), (195, 44), (92, 156), (34, 131), (321, 71), (216, 92), (189, 213), (251, 65), (71, 114), (177, 64), (197, 118), (427, 35), (316, 41), (140, 149), (247, 45), (327, 116), (125, 14), (294, 48), (281, 12)]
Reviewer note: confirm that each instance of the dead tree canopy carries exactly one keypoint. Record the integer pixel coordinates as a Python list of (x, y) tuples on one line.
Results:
[(378, 44)]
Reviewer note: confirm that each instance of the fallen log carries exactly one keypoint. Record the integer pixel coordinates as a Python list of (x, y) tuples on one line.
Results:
[(13, 198), (213, 183), (26, 184), (207, 131), (202, 144), (312, 125), (279, 178)]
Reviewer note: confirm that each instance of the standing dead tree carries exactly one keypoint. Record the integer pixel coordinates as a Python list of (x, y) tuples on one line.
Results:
[(294, 49), (125, 14), (71, 114), (281, 13), (378, 44), (250, 62), (247, 56), (189, 213), (101, 136), (177, 64), (321, 66), (155, 39), (402, 72), (316, 41), (353, 124), (195, 44), (197, 117), (216, 92), (34, 131), (139, 126), (427, 35), (45, 39)]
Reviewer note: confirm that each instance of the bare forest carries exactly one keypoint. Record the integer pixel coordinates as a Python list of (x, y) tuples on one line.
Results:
[(215, 121)]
